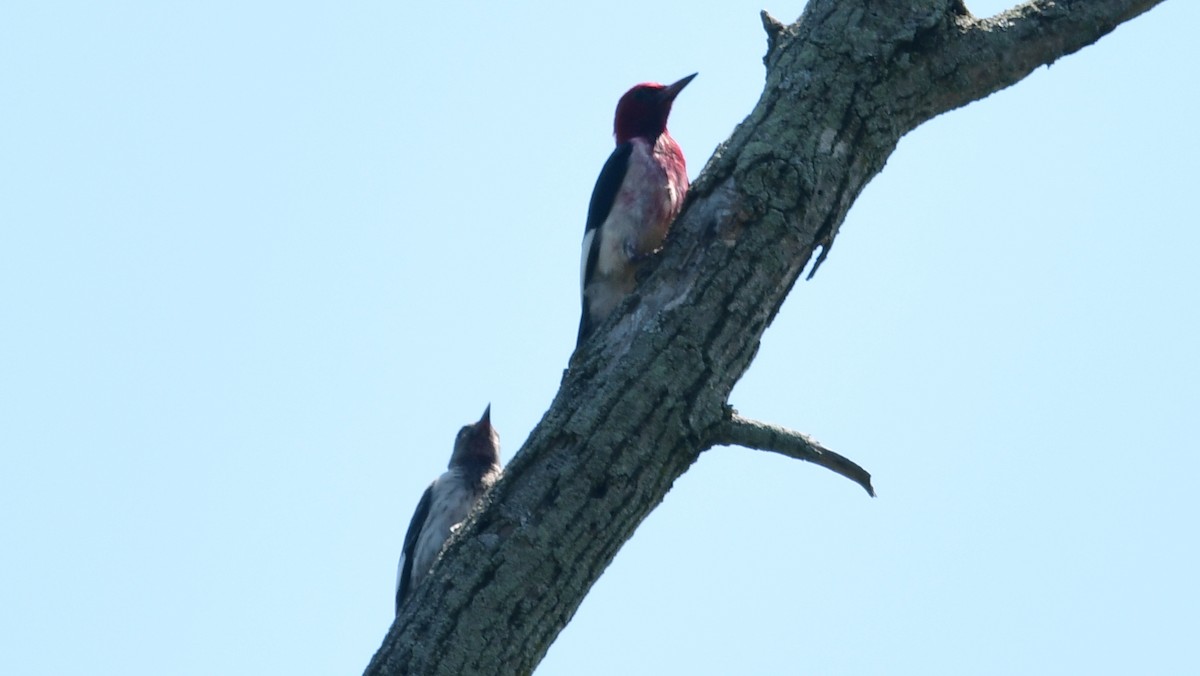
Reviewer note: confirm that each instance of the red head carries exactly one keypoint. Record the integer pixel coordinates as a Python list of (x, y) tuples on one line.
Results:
[(643, 110)]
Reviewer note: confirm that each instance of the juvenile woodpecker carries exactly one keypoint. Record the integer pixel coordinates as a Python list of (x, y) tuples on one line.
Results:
[(639, 192), (474, 467)]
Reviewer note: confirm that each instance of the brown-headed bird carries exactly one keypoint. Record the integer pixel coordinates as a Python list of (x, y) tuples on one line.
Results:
[(474, 467)]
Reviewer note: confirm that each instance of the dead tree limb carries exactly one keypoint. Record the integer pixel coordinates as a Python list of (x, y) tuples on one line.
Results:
[(763, 436), (648, 393)]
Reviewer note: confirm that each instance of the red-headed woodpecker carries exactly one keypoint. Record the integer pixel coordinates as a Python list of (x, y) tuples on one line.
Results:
[(639, 192), (474, 467)]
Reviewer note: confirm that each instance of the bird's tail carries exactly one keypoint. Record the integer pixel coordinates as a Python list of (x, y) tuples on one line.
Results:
[(585, 326)]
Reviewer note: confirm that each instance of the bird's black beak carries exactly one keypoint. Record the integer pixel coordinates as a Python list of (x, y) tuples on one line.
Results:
[(487, 416), (669, 93)]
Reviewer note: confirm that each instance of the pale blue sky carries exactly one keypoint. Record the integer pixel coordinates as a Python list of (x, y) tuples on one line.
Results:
[(258, 263)]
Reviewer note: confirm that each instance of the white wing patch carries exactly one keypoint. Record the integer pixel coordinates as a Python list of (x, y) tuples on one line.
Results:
[(588, 237)]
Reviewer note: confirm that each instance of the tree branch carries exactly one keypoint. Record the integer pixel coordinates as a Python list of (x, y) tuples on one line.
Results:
[(648, 392), (980, 56), (739, 431)]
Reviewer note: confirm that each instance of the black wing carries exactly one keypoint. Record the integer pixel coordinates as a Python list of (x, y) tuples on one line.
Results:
[(410, 545), (604, 195), (607, 185)]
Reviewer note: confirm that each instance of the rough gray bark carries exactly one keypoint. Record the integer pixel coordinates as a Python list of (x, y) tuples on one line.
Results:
[(649, 392)]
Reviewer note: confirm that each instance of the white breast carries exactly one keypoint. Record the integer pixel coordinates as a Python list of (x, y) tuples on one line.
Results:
[(643, 202), (449, 504)]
